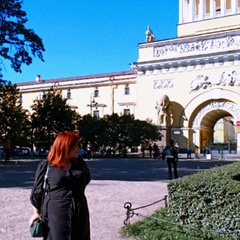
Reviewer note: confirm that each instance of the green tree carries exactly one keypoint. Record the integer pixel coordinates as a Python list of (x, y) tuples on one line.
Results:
[(14, 122), (125, 132), (51, 115), (92, 129), (17, 43)]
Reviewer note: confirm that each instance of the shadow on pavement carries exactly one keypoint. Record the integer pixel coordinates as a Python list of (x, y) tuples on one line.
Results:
[(18, 173), (143, 169), (21, 172)]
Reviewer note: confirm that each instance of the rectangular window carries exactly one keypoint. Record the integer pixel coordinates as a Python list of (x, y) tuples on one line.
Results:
[(44, 96), (127, 90), (20, 98), (69, 94), (127, 111), (217, 6), (96, 93), (96, 113)]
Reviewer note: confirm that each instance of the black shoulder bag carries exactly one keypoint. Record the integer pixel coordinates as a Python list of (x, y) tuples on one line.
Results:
[(37, 229)]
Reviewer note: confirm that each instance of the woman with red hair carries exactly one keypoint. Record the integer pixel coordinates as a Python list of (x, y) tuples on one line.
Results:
[(65, 208)]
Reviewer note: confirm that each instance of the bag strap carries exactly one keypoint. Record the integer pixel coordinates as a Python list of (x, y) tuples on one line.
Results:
[(45, 184), (45, 179)]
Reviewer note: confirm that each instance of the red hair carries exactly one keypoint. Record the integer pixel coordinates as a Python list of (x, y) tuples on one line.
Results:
[(64, 143)]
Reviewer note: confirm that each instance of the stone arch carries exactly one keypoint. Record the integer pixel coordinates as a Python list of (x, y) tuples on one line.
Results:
[(213, 111), (205, 110), (202, 129), (198, 103)]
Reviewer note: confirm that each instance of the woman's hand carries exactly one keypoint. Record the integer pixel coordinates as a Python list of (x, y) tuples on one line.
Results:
[(34, 217)]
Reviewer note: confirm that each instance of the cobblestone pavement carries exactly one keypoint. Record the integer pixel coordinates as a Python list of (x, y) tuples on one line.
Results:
[(114, 182)]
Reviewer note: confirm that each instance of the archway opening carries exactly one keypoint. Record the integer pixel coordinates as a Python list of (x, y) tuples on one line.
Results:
[(217, 131)]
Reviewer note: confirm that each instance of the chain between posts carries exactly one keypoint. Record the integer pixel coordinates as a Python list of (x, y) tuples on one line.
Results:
[(130, 211)]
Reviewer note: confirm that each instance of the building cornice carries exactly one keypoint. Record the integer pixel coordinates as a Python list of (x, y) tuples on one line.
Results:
[(190, 63), (116, 78)]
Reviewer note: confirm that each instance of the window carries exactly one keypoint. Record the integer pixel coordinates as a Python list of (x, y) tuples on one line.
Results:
[(20, 98), (68, 94), (44, 96), (96, 113), (217, 6), (127, 111), (127, 90), (96, 93)]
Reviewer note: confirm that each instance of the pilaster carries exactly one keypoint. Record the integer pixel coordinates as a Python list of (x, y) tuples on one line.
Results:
[(212, 8), (181, 14), (223, 7)]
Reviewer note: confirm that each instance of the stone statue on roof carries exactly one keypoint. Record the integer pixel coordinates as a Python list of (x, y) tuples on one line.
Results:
[(149, 35)]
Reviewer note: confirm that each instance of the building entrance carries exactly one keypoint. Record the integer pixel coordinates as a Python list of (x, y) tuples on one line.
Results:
[(204, 131)]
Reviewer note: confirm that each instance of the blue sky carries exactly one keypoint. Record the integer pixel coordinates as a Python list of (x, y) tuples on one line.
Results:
[(92, 36)]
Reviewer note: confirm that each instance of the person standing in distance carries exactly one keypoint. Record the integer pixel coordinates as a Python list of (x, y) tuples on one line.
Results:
[(64, 209), (7, 150), (89, 150), (189, 152), (170, 153)]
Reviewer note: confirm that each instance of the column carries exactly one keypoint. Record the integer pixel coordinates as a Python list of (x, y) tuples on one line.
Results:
[(201, 10), (181, 19), (234, 6), (212, 10), (191, 12), (223, 7)]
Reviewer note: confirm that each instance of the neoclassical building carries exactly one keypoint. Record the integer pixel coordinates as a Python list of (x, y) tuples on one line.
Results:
[(185, 84)]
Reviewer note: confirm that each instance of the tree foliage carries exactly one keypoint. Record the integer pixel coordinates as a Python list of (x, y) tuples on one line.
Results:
[(17, 43), (51, 115), (14, 121), (117, 132), (92, 129)]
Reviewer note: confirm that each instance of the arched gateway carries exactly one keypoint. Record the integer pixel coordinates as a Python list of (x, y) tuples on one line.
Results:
[(204, 114)]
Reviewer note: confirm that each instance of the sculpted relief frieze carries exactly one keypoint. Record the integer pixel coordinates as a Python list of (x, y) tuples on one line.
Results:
[(224, 79), (233, 109), (166, 83), (197, 46)]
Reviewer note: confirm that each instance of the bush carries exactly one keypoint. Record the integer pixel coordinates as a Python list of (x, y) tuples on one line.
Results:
[(201, 206), (209, 199), (153, 228)]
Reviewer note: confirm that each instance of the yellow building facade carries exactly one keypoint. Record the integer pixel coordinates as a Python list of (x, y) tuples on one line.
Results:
[(185, 84)]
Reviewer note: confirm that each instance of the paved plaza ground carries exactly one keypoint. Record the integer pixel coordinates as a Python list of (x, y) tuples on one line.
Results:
[(115, 181)]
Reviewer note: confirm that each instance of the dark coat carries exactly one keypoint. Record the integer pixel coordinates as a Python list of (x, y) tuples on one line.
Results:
[(65, 206), (174, 150)]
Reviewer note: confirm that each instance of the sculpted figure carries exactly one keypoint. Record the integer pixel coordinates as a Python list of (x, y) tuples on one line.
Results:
[(227, 79), (236, 78), (199, 82), (164, 110), (149, 35)]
